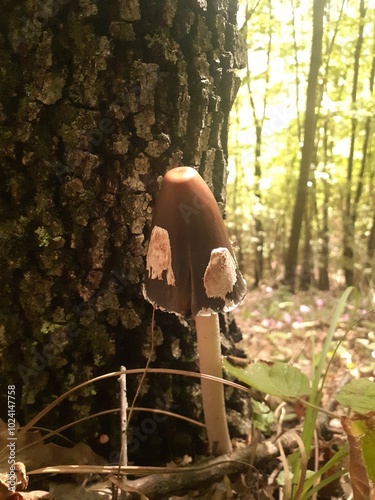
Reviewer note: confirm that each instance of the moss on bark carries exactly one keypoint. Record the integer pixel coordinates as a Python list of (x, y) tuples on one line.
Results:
[(97, 101)]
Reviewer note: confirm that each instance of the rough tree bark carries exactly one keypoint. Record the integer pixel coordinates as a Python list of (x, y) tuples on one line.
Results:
[(98, 100)]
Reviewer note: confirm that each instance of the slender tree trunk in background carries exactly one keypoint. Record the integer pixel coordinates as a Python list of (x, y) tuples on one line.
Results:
[(323, 224), (258, 225), (370, 267), (348, 221), (365, 163), (307, 256), (258, 123), (237, 199), (323, 236), (307, 265), (367, 155), (295, 47), (99, 99), (323, 277), (308, 145)]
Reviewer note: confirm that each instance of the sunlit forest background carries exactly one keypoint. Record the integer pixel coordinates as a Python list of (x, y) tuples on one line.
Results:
[(300, 195)]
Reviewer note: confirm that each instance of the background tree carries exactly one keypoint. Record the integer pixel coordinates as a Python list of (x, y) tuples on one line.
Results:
[(308, 144), (318, 247), (98, 100), (259, 109), (349, 213), (323, 231), (322, 174)]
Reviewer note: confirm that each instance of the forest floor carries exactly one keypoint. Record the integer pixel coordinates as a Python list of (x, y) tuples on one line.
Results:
[(277, 326)]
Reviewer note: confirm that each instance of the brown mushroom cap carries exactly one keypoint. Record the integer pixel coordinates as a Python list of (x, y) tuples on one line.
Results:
[(191, 266)]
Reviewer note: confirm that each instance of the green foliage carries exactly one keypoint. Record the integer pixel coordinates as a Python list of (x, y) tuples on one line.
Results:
[(277, 83), (278, 379), (358, 395), (282, 380), (263, 418)]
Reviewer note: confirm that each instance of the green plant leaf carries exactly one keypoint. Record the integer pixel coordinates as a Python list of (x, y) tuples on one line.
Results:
[(359, 395), (262, 417), (368, 451), (278, 379)]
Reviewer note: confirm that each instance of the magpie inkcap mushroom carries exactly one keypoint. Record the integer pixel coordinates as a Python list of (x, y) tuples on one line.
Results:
[(192, 270)]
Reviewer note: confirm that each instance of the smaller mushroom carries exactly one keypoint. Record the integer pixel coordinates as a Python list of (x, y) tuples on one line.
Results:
[(192, 270)]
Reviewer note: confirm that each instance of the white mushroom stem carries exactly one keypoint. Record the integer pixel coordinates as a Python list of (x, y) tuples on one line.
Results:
[(209, 350)]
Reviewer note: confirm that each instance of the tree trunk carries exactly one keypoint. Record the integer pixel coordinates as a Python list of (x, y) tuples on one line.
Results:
[(323, 255), (371, 241), (370, 264), (258, 124), (307, 256), (257, 219), (323, 225), (237, 199), (98, 100), (323, 279), (348, 218), (308, 144)]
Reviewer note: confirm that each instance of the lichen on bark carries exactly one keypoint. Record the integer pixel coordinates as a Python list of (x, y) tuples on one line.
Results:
[(97, 101)]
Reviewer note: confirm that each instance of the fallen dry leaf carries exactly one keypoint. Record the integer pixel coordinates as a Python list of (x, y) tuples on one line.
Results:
[(22, 482), (22, 478), (32, 495), (357, 470), (32, 451)]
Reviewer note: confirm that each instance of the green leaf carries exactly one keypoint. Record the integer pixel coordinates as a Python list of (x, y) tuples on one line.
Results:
[(278, 379), (368, 451), (359, 395), (262, 417)]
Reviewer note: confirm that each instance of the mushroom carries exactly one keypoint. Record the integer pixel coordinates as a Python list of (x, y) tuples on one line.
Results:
[(192, 270)]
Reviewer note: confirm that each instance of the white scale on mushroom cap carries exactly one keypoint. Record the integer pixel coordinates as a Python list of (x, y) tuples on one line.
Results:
[(220, 277), (159, 256)]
